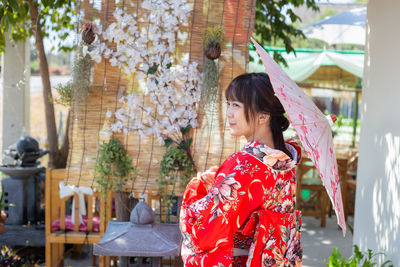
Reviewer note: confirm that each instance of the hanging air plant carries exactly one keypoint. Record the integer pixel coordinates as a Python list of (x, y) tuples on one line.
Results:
[(82, 65), (213, 39), (210, 84)]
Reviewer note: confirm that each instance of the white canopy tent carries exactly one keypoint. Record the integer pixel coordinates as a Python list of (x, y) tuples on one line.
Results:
[(307, 61)]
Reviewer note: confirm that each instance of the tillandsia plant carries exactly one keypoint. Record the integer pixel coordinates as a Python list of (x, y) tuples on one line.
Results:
[(113, 167), (81, 69), (177, 165), (212, 42), (210, 92)]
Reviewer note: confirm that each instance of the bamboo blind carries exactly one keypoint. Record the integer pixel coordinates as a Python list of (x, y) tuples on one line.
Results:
[(212, 142)]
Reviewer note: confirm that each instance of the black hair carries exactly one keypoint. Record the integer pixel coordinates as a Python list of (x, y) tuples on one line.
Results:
[(255, 91)]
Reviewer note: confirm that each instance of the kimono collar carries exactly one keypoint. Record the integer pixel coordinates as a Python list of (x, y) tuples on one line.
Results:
[(274, 158)]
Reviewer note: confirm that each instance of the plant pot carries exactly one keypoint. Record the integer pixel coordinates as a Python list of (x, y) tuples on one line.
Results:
[(213, 51), (88, 34), (3, 218)]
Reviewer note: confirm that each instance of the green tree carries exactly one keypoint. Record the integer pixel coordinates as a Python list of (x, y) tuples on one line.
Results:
[(276, 22), (21, 19)]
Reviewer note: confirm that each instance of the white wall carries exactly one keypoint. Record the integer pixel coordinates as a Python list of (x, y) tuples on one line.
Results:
[(377, 218)]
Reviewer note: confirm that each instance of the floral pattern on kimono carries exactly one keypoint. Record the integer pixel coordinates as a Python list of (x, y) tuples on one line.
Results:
[(250, 206)]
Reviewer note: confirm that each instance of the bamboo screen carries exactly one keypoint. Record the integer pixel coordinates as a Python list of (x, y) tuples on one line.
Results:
[(212, 142)]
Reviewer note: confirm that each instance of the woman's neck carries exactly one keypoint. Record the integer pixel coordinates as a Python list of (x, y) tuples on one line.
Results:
[(263, 136)]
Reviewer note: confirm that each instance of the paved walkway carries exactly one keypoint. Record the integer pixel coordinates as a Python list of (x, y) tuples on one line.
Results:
[(318, 244)]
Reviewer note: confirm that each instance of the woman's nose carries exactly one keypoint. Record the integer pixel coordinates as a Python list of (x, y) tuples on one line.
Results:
[(229, 113)]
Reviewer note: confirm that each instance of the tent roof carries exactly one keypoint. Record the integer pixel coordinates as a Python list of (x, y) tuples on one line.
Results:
[(307, 62)]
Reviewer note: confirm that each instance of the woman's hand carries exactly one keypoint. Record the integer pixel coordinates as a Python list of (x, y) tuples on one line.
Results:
[(208, 177)]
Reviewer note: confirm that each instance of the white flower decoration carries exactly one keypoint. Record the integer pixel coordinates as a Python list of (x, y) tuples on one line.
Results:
[(148, 53)]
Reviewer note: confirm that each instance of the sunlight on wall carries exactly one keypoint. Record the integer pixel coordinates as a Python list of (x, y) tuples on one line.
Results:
[(386, 194)]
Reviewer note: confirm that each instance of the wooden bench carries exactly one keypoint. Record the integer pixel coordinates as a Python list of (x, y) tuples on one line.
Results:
[(56, 209)]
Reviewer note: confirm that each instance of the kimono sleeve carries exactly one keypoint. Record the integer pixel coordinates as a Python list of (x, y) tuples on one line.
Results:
[(194, 191), (212, 220)]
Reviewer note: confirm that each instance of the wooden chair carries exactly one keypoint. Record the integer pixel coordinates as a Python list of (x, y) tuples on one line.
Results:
[(96, 205), (56, 209), (347, 172), (308, 178)]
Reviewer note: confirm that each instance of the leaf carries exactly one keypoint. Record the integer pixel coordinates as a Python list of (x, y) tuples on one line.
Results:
[(185, 130), (152, 69), (14, 5), (168, 142), (388, 262)]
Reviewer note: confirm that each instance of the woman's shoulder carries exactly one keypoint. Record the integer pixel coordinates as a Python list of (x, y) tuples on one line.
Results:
[(273, 158)]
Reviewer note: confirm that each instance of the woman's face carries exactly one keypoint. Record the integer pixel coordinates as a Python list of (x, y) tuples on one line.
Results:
[(237, 119)]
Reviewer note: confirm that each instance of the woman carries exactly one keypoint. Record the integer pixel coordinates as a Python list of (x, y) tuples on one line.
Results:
[(244, 211)]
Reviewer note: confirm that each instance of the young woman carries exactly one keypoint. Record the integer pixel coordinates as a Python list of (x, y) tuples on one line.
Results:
[(244, 211)]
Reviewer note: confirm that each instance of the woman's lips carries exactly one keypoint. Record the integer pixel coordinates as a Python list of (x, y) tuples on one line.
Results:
[(232, 124)]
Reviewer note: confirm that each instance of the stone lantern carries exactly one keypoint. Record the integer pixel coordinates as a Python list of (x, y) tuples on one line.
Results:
[(141, 237)]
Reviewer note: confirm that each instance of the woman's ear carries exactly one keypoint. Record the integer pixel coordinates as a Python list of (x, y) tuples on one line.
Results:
[(263, 118)]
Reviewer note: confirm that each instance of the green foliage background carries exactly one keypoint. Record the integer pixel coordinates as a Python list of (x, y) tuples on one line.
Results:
[(55, 16)]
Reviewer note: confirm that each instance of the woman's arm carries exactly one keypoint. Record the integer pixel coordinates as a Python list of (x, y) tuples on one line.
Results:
[(211, 220), (199, 186)]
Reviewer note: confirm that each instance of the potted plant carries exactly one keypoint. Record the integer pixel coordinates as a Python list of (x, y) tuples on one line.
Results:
[(3, 205), (176, 169), (113, 169), (213, 38), (177, 165)]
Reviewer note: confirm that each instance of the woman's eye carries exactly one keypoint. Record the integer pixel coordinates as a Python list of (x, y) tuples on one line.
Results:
[(235, 105)]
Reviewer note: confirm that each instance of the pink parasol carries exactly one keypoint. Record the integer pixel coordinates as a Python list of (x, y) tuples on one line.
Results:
[(312, 127)]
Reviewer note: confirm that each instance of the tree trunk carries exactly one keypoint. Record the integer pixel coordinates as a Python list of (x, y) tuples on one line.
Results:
[(57, 157), (60, 161)]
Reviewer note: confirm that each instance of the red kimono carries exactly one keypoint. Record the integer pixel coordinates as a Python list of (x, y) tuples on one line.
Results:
[(248, 217)]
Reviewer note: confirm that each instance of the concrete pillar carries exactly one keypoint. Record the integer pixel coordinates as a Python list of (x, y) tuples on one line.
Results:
[(14, 94), (377, 212)]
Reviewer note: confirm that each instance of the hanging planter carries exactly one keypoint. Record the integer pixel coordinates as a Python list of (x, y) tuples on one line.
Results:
[(213, 39), (113, 169), (88, 33), (81, 70), (177, 165)]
